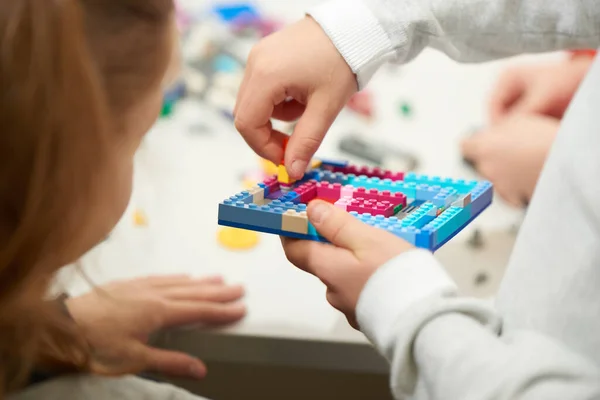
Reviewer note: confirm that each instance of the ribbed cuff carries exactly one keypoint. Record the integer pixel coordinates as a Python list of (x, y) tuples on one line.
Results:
[(394, 289), (357, 34)]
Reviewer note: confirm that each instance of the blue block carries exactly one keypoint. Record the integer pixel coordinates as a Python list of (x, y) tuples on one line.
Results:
[(292, 197), (424, 239), (333, 177), (421, 216), (251, 214), (265, 188), (426, 193), (244, 197), (481, 197), (232, 12), (408, 234), (462, 186), (333, 163), (312, 231), (445, 197)]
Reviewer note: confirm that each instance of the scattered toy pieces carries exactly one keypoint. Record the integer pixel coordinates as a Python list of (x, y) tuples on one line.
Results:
[(237, 239), (139, 218)]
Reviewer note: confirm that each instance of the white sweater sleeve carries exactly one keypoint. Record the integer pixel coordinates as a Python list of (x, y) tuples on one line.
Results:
[(370, 32), (442, 347)]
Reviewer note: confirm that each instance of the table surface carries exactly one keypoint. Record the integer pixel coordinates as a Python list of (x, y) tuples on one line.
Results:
[(193, 160)]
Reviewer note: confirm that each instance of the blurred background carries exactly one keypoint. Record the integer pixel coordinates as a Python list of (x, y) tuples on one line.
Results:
[(292, 344)]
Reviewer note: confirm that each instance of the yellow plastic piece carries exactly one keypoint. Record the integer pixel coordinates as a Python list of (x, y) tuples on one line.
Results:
[(315, 164), (139, 218), (237, 239), (282, 175)]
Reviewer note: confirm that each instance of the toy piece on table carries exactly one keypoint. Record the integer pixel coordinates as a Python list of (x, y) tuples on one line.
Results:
[(237, 239), (139, 218), (406, 110), (426, 211), (171, 96), (362, 104)]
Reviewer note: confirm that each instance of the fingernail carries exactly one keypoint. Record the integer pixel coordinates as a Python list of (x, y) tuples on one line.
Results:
[(298, 168), (197, 372), (319, 212)]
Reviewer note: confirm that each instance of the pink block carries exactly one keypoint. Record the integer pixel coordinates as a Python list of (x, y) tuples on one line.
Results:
[(343, 203), (348, 191), (329, 190)]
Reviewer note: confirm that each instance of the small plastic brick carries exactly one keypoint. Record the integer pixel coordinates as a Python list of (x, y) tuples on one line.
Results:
[(445, 197), (481, 197), (290, 197), (333, 165), (330, 191), (348, 191), (372, 207), (420, 217), (343, 203), (282, 176), (307, 191), (426, 192), (139, 218), (258, 194), (463, 201), (394, 176), (406, 109), (293, 221)]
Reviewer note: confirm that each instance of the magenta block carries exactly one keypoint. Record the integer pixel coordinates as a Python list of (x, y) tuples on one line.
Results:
[(307, 191), (272, 183), (373, 207), (331, 191), (394, 176)]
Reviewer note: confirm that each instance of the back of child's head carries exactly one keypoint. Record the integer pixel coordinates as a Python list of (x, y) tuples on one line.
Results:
[(80, 83)]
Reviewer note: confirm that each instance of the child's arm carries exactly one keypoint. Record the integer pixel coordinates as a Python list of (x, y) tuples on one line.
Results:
[(446, 347), (370, 32), (440, 346)]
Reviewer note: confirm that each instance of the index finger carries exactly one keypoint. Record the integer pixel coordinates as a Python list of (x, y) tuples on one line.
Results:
[(253, 111)]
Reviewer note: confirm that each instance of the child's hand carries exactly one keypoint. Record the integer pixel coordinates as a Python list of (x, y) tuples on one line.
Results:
[(511, 154), (118, 319), (299, 63), (545, 89), (345, 266)]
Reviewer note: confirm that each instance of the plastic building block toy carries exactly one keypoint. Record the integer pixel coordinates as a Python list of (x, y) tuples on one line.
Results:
[(426, 211)]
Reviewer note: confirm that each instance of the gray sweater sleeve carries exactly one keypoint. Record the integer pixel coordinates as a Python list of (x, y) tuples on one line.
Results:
[(441, 346), (370, 32)]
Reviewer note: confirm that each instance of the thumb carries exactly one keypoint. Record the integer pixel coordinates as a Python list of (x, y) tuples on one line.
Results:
[(339, 227), (173, 363), (321, 111)]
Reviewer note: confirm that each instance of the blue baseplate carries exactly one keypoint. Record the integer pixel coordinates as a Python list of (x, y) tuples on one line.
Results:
[(439, 207)]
